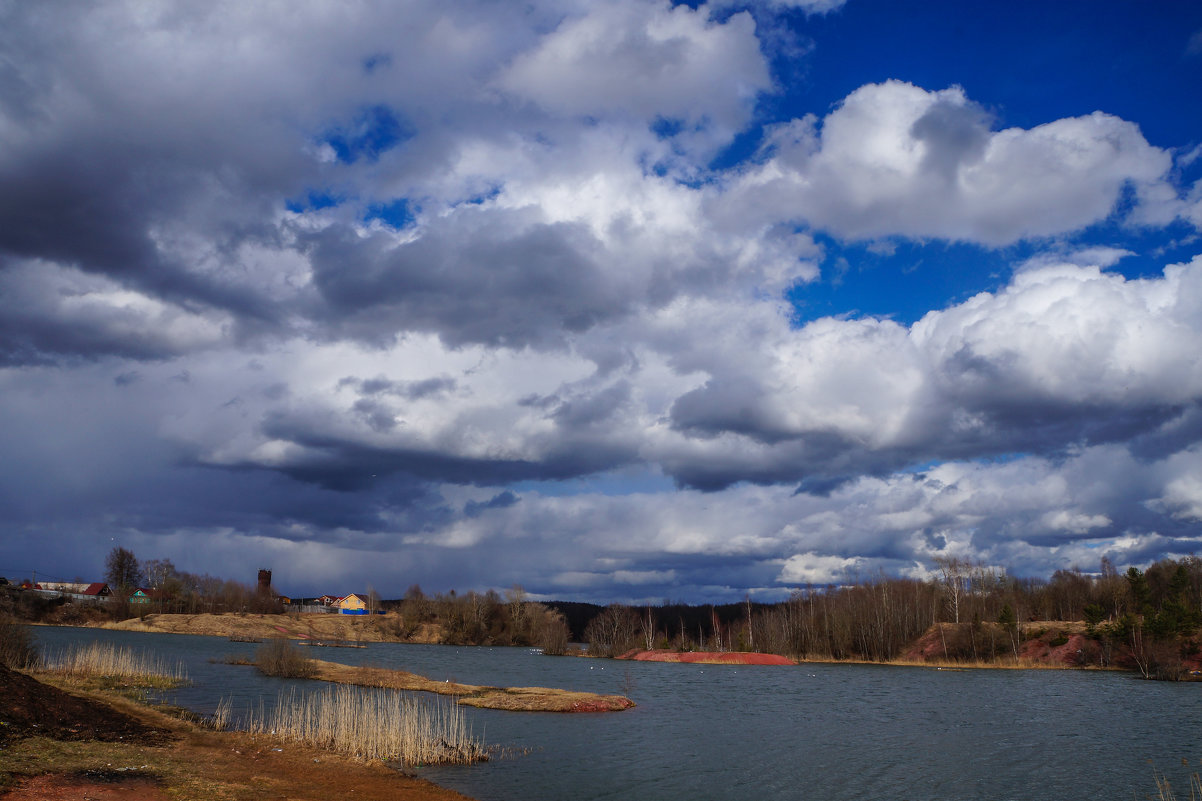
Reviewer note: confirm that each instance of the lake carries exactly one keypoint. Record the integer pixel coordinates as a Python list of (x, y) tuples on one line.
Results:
[(829, 732)]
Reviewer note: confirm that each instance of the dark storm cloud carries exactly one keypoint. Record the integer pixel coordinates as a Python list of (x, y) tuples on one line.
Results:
[(341, 464), (1174, 434), (96, 206), (491, 279), (824, 459), (409, 390)]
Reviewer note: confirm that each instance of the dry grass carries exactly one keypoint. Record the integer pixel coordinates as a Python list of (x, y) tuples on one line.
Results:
[(516, 699), (324, 627), (363, 724), (108, 662)]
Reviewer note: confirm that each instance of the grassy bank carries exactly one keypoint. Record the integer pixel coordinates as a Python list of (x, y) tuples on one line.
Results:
[(517, 699), (317, 627), (191, 761)]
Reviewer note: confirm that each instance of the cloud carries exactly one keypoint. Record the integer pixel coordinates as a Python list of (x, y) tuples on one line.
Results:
[(49, 311), (897, 160), (653, 62), (810, 568), (1063, 355)]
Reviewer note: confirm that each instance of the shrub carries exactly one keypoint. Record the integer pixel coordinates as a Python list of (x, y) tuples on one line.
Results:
[(16, 644), (281, 658)]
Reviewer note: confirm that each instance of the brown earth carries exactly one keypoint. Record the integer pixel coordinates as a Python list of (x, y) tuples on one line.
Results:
[(28, 707), (516, 699), (1035, 651), (315, 626), (87, 785), (708, 657), (61, 745)]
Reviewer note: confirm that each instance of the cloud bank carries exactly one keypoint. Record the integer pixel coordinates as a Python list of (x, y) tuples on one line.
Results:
[(452, 294)]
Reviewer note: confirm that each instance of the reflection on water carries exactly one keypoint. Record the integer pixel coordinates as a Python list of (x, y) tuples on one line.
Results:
[(827, 732)]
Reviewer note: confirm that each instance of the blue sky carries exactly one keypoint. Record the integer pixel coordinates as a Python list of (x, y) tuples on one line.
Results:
[(614, 300)]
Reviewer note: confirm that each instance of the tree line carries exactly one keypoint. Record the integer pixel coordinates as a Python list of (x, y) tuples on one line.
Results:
[(1148, 619)]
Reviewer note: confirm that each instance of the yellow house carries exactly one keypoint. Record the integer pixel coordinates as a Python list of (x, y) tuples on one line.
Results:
[(352, 605)]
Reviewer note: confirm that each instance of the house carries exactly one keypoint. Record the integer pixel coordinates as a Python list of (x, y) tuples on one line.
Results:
[(352, 605), (75, 590), (143, 595), (327, 600)]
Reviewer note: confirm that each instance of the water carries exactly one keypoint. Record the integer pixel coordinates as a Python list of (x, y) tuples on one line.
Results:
[(829, 732)]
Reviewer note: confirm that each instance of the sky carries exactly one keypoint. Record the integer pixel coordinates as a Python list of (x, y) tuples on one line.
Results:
[(613, 300)]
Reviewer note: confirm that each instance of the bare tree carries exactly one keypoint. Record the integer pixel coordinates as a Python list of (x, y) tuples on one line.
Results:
[(613, 631), (158, 571), (955, 573), (515, 600), (121, 570), (647, 627)]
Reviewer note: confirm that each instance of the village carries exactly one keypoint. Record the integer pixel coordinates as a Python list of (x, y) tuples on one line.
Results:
[(101, 592)]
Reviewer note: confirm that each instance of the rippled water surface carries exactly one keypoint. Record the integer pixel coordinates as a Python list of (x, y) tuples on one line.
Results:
[(828, 732)]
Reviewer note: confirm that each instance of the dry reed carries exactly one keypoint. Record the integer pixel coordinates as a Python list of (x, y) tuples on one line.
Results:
[(221, 717), (1164, 790), (97, 660), (369, 724)]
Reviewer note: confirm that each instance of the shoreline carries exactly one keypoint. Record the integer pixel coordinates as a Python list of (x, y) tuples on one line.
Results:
[(190, 761), (507, 699), (1039, 652)]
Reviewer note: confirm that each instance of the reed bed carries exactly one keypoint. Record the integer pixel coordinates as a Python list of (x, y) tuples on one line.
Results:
[(368, 724), (100, 661)]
